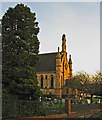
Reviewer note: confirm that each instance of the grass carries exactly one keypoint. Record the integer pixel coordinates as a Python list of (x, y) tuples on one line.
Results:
[(94, 99), (57, 106), (55, 109)]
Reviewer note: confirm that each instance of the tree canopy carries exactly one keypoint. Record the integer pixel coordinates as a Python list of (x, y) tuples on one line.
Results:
[(87, 83), (20, 46)]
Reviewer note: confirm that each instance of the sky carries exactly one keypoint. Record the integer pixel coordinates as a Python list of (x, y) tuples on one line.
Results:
[(79, 21)]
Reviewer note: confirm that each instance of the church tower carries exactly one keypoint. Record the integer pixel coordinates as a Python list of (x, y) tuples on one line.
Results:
[(64, 59), (58, 75)]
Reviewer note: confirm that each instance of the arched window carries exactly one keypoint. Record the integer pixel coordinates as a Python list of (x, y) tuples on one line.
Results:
[(52, 82), (46, 77), (41, 81)]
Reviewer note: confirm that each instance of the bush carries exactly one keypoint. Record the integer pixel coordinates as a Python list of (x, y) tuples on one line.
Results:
[(12, 107), (8, 106)]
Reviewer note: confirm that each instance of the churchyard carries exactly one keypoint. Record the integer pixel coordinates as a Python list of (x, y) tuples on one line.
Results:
[(51, 106)]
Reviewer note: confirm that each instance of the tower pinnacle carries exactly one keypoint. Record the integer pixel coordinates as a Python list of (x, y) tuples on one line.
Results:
[(63, 43), (58, 49), (58, 54), (70, 65)]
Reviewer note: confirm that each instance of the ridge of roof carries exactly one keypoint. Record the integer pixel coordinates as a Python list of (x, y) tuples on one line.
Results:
[(47, 53)]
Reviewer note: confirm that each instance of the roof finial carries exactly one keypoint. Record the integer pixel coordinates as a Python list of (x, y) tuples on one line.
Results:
[(58, 54), (63, 36), (70, 60), (58, 49)]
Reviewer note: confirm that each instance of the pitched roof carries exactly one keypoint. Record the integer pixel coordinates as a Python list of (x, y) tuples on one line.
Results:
[(47, 62)]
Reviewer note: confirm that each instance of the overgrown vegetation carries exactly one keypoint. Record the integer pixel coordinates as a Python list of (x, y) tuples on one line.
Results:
[(19, 108)]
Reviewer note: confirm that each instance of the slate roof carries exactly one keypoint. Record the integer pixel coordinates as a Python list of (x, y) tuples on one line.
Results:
[(47, 62)]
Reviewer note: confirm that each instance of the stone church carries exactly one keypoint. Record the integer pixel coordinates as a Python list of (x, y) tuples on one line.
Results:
[(53, 70)]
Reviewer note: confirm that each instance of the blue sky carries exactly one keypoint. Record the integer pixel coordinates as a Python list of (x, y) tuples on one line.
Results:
[(80, 21)]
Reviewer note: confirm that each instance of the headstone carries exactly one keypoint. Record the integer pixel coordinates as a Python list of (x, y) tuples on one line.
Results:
[(63, 101), (88, 101), (99, 101)]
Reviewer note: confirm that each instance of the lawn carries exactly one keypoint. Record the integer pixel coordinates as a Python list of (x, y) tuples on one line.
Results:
[(57, 106), (94, 99)]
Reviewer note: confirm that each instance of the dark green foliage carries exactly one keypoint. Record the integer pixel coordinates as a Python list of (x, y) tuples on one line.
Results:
[(7, 105), (19, 108), (20, 52)]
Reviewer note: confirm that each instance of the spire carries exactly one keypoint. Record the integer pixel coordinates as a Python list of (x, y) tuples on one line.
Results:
[(58, 49), (70, 60), (70, 65), (58, 54), (63, 43)]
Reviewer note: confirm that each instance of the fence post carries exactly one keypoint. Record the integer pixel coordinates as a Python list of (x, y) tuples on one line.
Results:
[(68, 107)]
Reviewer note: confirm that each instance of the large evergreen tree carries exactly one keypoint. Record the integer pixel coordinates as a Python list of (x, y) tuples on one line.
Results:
[(20, 46)]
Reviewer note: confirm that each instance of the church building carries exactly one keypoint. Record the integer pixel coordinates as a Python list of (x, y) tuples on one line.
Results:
[(53, 70)]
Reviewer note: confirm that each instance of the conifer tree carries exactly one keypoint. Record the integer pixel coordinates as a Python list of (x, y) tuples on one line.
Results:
[(20, 46)]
